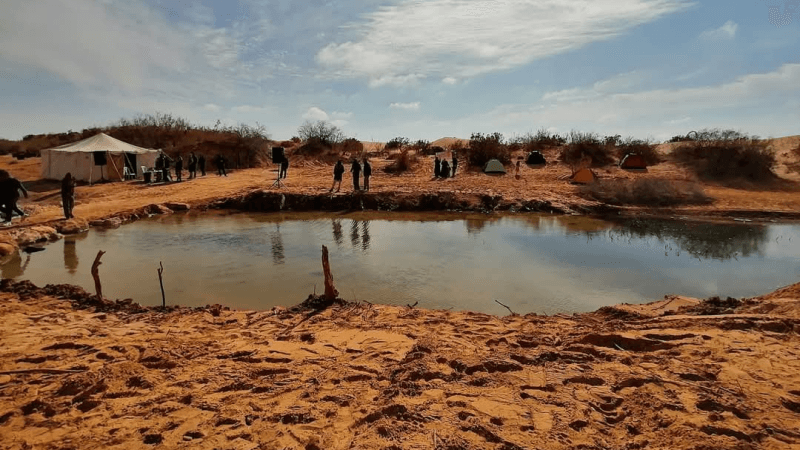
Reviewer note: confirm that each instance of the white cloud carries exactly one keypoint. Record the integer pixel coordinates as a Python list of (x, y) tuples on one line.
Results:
[(726, 31), (410, 41), (91, 43), (250, 109), (414, 106), (211, 107), (450, 80), (314, 114)]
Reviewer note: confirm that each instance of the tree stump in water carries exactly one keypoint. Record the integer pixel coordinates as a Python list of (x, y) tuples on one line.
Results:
[(96, 274), (330, 291)]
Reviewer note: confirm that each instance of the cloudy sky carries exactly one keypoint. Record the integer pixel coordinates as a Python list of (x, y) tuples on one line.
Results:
[(416, 68)]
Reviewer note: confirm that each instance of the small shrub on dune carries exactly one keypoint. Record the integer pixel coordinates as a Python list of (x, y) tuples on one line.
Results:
[(397, 143), (646, 192), (422, 147), (484, 148), (403, 162), (727, 155), (352, 147), (588, 147)]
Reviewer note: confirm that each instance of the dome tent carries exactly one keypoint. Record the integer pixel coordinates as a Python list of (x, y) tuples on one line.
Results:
[(494, 166), (96, 158), (583, 176), (535, 158), (633, 161)]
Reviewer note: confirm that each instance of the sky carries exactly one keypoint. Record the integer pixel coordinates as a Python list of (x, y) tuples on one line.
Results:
[(421, 69)]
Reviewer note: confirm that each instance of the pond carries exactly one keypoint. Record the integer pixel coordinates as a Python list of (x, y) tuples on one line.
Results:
[(532, 263)]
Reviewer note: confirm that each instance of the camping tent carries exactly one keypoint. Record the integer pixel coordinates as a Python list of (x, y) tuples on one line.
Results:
[(632, 161), (583, 176), (494, 166), (99, 157), (535, 158)]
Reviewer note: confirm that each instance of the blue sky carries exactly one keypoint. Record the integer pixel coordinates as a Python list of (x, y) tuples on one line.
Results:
[(420, 69)]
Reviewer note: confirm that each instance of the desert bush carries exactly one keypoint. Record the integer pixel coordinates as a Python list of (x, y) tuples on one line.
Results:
[(296, 139), (586, 147), (322, 131), (724, 155), (646, 192), (352, 146), (314, 147), (422, 147), (483, 148), (645, 148), (540, 141), (397, 143), (402, 162)]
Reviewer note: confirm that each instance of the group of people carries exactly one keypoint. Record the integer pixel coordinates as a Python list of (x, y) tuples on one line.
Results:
[(441, 167), (356, 169), (163, 163), (10, 188)]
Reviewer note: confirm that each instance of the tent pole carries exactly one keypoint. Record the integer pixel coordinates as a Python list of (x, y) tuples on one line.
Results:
[(108, 156)]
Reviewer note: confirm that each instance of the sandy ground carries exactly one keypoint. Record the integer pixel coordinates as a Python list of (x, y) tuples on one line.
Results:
[(547, 184), (365, 376)]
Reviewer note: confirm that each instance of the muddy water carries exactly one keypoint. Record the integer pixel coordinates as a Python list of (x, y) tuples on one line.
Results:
[(542, 264)]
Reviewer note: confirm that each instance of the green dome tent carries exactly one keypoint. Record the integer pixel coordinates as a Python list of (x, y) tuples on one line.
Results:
[(494, 166)]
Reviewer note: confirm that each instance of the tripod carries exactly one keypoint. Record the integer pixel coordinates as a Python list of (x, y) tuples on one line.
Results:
[(278, 183)]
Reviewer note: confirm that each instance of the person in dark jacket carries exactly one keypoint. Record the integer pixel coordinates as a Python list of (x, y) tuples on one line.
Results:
[(338, 171), (367, 173), (445, 172), (9, 194), (284, 167), (165, 167), (221, 166), (192, 166), (437, 167), (179, 168), (455, 165), (68, 195), (201, 162), (356, 170)]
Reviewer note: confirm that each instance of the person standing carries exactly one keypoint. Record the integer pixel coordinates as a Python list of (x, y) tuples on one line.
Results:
[(201, 161), (338, 171), (221, 166), (455, 165), (445, 171), (179, 168), (367, 173), (68, 195), (284, 167), (356, 169), (165, 170), (192, 166), (437, 167)]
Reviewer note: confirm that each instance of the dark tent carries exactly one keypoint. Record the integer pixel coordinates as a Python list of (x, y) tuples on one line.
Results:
[(535, 158)]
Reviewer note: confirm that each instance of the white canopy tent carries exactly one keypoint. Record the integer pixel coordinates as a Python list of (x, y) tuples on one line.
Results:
[(99, 157)]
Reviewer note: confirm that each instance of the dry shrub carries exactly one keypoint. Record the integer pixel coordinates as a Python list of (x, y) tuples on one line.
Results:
[(727, 155), (286, 144), (589, 147), (646, 192), (352, 146), (423, 147), (484, 148), (458, 146), (403, 161), (541, 141)]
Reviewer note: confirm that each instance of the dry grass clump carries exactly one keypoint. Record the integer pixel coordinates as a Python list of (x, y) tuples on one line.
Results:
[(403, 162), (644, 148), (484, 148), (727, 155), (397, 143), (541, 141), (587, 147), (646, 192), (352, 147)]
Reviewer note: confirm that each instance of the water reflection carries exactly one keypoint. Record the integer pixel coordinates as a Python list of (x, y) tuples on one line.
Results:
[(337, 231), (15, 267), (278, 256), (365, 238), (71, 259), (354, 237), (701, 240)]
